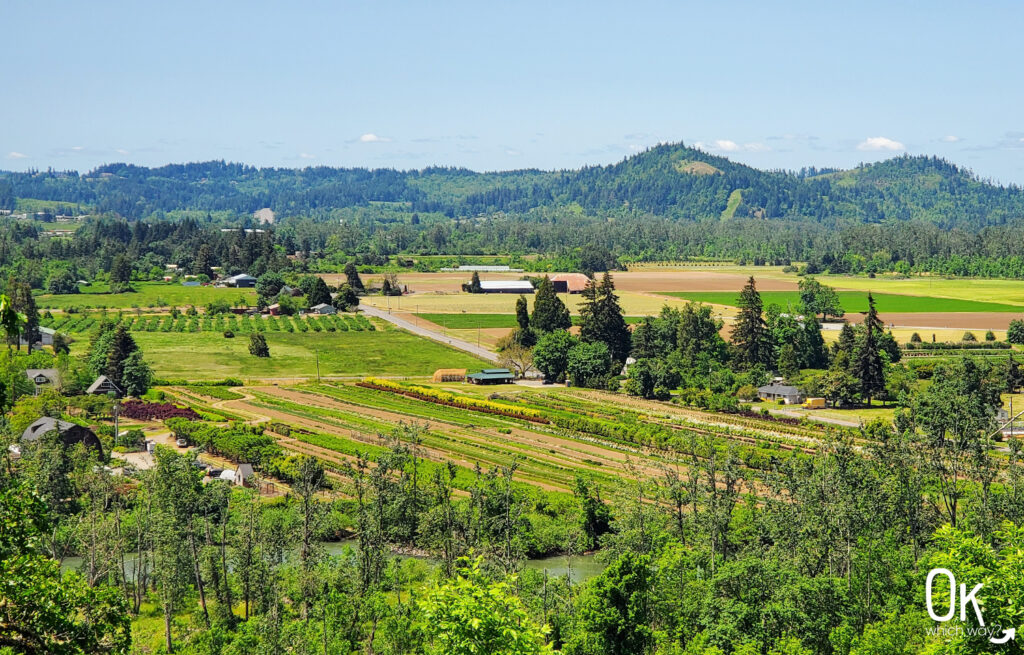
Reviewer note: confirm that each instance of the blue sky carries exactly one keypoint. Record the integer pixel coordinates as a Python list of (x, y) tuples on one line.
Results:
[(499, 85)]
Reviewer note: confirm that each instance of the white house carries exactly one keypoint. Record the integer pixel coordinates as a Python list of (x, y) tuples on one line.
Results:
[(323, 308)]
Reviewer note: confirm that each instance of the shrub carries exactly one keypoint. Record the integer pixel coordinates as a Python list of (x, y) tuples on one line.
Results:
[(141, 411), (969, 336), (1015, 332), (990, 336), (258, 345), (453, 400), (228, 334), (915, 338)]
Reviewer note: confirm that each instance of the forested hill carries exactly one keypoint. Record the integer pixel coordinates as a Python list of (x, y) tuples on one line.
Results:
[(672, 181)]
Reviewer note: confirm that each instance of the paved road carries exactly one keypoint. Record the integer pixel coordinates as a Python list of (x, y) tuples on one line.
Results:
[(398, 321)]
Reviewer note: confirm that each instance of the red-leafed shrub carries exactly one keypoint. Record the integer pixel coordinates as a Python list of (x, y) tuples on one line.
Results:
[(143, 411)]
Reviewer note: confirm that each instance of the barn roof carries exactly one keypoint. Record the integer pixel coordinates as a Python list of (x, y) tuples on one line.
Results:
[(575, 282), (514, 285)]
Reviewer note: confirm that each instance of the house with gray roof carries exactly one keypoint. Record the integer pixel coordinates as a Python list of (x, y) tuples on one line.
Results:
[(776, 392), (70, 433)]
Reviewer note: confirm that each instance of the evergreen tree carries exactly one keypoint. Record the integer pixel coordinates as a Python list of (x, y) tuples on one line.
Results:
[(352, 277), (549, 312), (474, 283), (258, 345), (120, 274), (789, 362), (868, 367), (203, 264), (25, 303), (813, 353), (522, 314), (601, 318), (318, 293), (136, 376), (847, 342), (645, 340), (750, 337), (122, 345)]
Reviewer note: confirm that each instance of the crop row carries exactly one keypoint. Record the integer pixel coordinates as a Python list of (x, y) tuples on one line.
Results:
[(454, 400)]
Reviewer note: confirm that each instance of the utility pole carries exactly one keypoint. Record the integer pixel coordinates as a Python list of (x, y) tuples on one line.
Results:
[(117, 422), (317, 351)]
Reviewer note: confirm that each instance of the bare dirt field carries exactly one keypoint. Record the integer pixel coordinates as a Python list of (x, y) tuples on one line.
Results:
[(638, 281), (958, 320), (656, 281)]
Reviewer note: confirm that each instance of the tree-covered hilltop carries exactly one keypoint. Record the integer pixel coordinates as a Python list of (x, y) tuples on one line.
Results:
[(672, 181)]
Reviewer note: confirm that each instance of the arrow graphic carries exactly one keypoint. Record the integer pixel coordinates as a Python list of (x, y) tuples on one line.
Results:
[(1007, 636)]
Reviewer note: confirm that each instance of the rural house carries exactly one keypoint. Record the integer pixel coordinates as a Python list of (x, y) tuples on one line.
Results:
[(776, 392), (42, 377), (506, 286), (323, 308), (239, 477), (103, 386), (70, 433), (492, 376)]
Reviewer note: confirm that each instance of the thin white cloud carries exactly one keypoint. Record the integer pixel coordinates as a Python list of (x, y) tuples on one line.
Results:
[(727, 145), (306, 155), (76, 148), (16, 155), (370, 137), (950, 138), (122, 151), (880, 143)]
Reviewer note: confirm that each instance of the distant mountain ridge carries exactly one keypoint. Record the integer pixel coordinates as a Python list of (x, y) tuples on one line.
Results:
[(672, 181)]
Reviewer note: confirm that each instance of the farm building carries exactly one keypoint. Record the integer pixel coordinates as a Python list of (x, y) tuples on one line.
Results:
[(492, 376), (570, 282), (241, 281), (45, 337), (42, 377), (274, 310), (323, 308), (70, 433), (506, 286), (449, 375), (239, 477), (483, 269), (103, 386), (775, 392)]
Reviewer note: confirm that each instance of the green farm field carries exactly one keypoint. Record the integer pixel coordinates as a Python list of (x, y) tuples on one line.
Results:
[(857, 301), (209, 356), (146, 294)]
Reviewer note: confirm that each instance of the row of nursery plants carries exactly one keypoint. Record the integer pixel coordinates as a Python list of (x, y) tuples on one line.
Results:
[(454, 400)]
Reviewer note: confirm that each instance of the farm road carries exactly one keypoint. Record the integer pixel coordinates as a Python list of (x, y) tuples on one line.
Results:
[(398, 321)]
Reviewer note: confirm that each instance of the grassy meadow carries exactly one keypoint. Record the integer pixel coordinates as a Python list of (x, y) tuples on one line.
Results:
[(210, 356)]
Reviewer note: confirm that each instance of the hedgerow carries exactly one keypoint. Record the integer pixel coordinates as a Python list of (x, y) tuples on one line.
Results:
[(453, 400)]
